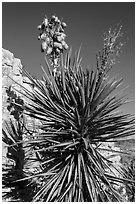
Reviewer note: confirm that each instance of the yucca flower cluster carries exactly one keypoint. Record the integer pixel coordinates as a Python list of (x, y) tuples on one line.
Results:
[(111, 50), (53, 37)]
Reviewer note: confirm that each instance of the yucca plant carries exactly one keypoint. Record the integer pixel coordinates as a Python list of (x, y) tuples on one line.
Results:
[(77, 109), (129, 172), (13, 166), (14, 132)]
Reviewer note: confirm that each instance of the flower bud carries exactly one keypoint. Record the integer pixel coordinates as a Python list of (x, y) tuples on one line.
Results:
[(53, 17), (39, 27), (59, 45), (65, 46), (43, 36), (47, 39), (64, 24), (39, 38), (63, 43), (45, 22), (63, 35), (58, 51), (49, 50), (59, 38), (56, 62), (44, 45), (56, 19)]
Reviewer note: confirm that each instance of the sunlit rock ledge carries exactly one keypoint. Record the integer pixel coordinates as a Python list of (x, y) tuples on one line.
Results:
[(12, 77)]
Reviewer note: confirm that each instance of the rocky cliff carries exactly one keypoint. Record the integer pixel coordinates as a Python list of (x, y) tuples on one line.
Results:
[(11, 68), (12, 77)]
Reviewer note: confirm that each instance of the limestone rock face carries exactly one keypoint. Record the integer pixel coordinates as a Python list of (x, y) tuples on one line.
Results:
[(12, 77), (11, 69)]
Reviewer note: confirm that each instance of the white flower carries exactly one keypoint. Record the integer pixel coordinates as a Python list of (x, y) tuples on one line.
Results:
[(39, 37), (44, 45), (59, 45), (59, 38), (64, 44), (43, 36), (49, 50), (56, 19), (58, 51), (63, 35), (53, 17), (47, 39), (56, 62), (39, 27), (64, 24), (45, 22)]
